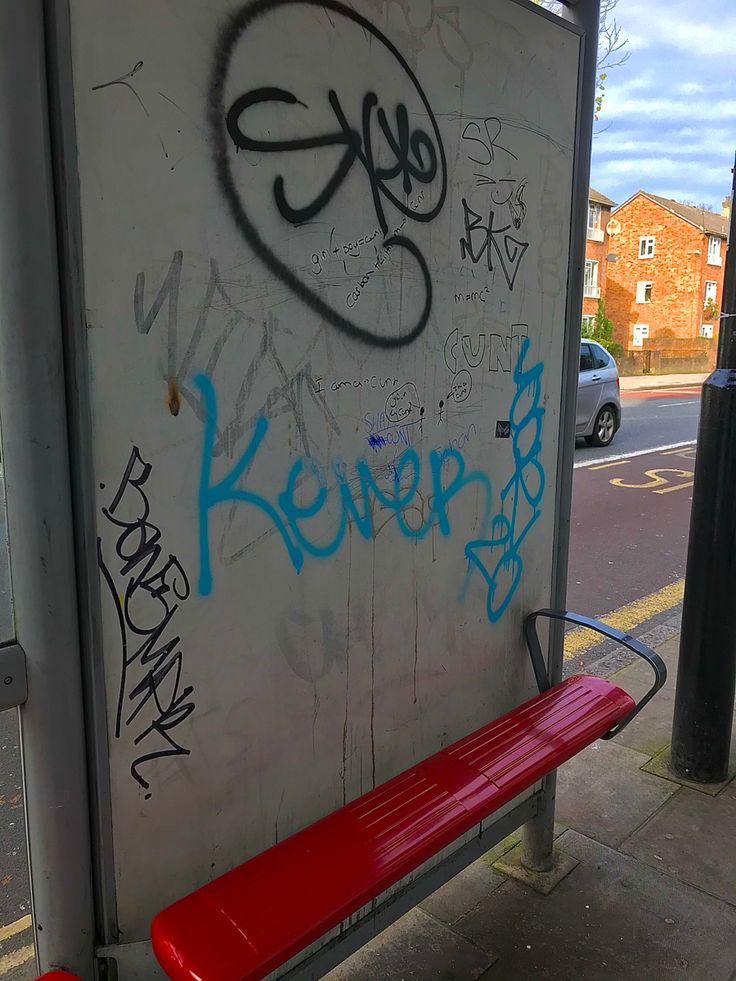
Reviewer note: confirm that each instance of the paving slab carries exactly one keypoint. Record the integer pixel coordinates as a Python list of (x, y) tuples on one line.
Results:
[(603, 793), (692, 839), (415, 948), (463, 892), (612, 919), (651, 731)]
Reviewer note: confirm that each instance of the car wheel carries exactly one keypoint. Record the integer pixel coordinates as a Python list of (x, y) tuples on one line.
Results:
[(604, 428)]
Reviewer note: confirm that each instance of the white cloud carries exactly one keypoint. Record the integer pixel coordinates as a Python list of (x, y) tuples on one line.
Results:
[(649, 168), (661, 109), (637, 42), (690, 88), (674, 143), (669, 24)]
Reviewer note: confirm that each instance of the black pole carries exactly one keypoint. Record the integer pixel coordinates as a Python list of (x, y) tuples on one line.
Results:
[(701, 733)]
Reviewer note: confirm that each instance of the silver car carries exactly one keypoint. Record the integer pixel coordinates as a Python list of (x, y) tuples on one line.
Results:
[(599, 395)]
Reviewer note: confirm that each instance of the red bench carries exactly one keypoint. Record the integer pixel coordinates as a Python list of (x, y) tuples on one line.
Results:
[(249, 921)]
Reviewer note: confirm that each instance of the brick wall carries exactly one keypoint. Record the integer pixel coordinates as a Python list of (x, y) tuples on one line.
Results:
[(677, 270)]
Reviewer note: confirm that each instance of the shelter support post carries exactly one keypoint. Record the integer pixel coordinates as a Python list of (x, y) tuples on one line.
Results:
[(704, 700), (39, 515), (538, 835)]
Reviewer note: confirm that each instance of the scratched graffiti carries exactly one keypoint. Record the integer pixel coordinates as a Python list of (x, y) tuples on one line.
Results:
[(445, 478)]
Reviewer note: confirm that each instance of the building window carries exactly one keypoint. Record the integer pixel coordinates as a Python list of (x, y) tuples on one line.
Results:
[(595, 232), (711, 288), (590, 283), (714, 250), (588, 324), (706, 330), (646, 246), (644, 292), (641, 331)]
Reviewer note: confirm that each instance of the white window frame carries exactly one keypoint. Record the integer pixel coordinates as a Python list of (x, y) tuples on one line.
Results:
[(714, 250), (640, 334), (711, 291), (706, 330), (646, 246), (642, 287), (590, 318), (591, 289), (595, 216)]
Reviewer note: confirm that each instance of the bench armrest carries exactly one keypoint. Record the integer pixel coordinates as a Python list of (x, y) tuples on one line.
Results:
[(626, 640)]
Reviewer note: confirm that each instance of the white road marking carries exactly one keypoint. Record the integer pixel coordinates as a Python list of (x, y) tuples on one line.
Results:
[(627, 456), (669, 405)]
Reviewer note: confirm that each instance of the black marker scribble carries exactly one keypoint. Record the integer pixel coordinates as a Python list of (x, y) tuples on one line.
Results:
[(419, 157), (146, 590), (480, 239), (486, 138)]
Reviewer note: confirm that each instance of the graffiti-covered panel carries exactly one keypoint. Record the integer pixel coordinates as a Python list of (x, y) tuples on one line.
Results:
[(325, 267)]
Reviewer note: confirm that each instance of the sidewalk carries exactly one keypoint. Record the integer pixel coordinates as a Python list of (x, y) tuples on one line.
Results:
[(645, 887), (632, 383)]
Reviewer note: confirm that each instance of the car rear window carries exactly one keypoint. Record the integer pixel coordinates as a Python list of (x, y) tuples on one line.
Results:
[(586, 358), (600, 358)]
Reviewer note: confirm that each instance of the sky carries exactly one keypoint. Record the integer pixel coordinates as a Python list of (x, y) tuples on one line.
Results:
[(668, 122)]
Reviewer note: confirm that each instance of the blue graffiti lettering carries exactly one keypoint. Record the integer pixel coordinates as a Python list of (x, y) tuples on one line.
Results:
[(526, 486), (359, 494), (447, 474)]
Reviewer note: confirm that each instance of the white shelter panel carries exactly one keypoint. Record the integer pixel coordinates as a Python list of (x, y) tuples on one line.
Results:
[(325, 268)]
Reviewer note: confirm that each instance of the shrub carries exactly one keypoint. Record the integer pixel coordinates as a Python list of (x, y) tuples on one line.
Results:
[(602, 332)]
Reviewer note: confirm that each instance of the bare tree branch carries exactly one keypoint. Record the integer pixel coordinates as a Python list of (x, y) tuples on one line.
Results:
[(612, 44)]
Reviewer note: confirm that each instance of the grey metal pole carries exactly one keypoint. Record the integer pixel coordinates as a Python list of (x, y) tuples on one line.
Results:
[(704, 700), (36, 466), (538, 835)]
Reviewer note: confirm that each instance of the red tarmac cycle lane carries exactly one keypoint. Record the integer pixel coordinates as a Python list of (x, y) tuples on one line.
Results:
[(629, 529)]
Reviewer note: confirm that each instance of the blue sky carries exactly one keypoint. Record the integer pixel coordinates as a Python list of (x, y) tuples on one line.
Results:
[(668, 124)]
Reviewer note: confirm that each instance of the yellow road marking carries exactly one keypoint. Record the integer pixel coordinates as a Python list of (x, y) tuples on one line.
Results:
[(655, 479), (24, 923), (680, 451), (627, 617), (668, 490), (604, 466), (16, 959)]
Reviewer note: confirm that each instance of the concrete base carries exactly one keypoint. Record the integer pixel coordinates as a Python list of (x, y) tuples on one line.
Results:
[(660, 766), (541, 882)]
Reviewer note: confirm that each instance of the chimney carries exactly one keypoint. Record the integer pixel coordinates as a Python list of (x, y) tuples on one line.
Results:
[(726, 209)]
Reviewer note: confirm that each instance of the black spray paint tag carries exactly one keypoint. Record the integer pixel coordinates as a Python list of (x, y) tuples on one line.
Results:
[(503, 429)]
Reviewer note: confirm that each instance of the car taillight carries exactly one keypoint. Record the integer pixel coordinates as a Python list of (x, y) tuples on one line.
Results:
[(618, 385)]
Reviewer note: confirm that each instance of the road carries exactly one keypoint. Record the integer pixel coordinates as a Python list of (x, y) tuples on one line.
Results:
[(649, 418), (631, 517), (628, 543)]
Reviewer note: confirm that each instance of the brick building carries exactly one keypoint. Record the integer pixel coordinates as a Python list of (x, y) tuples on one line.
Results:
[(597, 248), (667, 278)]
